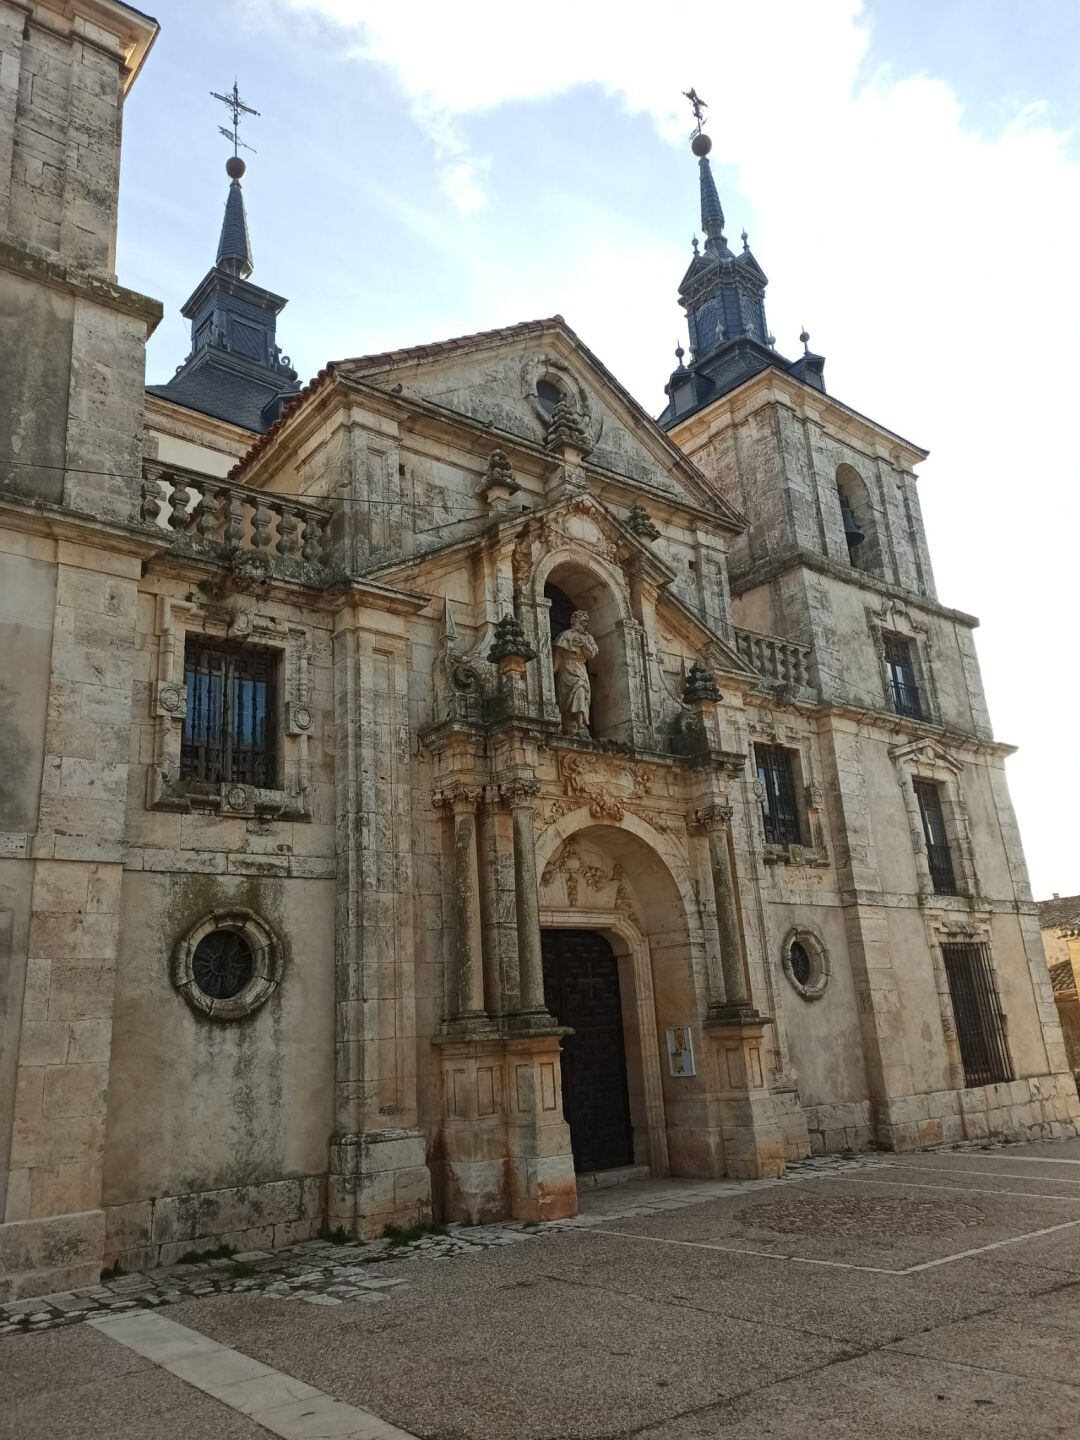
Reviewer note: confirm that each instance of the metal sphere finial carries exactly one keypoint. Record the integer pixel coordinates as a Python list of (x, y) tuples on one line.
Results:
[(701, 145), (804, 336), (235, 167)]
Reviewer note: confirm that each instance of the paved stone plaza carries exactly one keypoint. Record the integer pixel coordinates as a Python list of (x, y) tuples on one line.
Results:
[(930, 1295)]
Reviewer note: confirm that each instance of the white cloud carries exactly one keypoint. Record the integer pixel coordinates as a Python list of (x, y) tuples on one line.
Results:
[(933, 264)]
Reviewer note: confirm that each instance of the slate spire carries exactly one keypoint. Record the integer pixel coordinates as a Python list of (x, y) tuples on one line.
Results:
[(723, 295), (234, 247), (712, 214)]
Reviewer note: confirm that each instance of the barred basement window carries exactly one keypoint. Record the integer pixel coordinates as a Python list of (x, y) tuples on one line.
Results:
[(904, 690), (938, 854), (230, 730), (980, 1025), (779, 810)]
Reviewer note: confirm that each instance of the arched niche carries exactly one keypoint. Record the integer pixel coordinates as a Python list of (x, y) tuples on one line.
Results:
[(859, 520), (569, 585)]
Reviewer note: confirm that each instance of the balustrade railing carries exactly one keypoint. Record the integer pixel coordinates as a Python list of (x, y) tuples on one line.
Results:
[(198, 508), (785, 662)]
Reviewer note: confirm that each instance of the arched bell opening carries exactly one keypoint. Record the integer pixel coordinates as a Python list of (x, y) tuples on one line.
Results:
[(571, 587), (859, 520)]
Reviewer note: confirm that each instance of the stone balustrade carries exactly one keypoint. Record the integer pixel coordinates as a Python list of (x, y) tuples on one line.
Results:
[(783, 662), (233, 517)]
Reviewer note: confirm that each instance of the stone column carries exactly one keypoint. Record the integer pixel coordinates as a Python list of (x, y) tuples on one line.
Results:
[(519, 794), (467, 1004)]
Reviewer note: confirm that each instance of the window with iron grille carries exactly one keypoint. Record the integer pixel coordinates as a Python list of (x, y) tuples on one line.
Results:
[(230, 730), (903, 687), (779, 810), (928, 794), (980, 1025)]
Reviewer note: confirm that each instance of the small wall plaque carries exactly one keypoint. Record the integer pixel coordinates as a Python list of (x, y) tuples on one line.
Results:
[(680, 1050)]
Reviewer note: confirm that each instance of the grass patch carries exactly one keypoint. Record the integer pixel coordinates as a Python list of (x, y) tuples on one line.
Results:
[(241, 1269), (406, 1234), (112, 1272), (196, 1257)]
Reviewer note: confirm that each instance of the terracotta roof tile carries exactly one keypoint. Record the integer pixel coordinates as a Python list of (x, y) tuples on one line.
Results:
[(1061, 910), (1062, 979)]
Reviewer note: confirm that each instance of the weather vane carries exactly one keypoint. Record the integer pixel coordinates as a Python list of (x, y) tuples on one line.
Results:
[(238, 109), (697, 104)]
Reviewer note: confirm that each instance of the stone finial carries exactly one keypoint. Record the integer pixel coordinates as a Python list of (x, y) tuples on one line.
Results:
[(641, 523), (700, 686), (565, 430), (510, 650), (499, 482)]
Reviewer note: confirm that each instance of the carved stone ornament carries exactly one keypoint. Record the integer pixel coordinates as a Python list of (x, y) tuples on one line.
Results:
[(701, 686), (463, 680), (641, 523), (519, 790), (510, 643), (713, 817), (565, 430), (499, 482), (170, 699), (298, 717), (457, 796), (568, 865), (606, 784), (239, 799), (251, 572)]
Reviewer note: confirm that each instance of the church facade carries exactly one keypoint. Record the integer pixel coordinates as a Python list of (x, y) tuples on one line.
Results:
[(436, 787)]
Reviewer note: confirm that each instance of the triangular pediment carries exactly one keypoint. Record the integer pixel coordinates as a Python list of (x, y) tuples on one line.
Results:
[(926, 752), (492, 378), (577, 521)]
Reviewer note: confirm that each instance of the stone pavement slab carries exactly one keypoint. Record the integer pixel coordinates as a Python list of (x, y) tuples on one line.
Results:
[(870, 1220), (888, 1396)]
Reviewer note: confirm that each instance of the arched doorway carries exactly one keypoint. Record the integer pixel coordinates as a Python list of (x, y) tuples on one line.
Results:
[(582, 992), (616, 883)]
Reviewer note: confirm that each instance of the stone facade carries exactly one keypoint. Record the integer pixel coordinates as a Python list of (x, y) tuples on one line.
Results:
[(391, 557)]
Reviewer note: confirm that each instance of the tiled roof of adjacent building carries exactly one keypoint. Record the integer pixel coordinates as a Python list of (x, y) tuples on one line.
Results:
[(1062, 978), (1061, 910)]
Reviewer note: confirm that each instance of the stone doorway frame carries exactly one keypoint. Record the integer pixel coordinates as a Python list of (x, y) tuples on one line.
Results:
[(641, 1038)]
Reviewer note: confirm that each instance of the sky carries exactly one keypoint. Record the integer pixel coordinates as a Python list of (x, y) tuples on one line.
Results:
[(908, 172)]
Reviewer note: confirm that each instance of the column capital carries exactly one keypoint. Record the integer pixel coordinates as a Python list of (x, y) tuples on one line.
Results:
[(455, 796), (518, 791), (712, 817)]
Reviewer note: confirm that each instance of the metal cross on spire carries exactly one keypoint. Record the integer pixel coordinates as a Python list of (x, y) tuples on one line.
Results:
[(238, 109), (698, 105)]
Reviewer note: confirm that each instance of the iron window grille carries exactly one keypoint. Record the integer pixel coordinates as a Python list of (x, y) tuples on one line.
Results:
[(230, 729), (980, 1024), (938, 854), (779, 810), (906, 699)]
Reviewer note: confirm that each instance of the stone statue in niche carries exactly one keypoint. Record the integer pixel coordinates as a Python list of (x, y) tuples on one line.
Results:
[(572, 651)]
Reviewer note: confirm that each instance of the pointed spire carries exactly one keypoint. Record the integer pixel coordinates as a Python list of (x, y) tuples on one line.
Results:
[(234, 247), (712, 214)]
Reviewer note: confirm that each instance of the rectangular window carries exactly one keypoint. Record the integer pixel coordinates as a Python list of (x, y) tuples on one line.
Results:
[(230, 730), (778, 806), (980, 1027), (904, 691), (928, 794)]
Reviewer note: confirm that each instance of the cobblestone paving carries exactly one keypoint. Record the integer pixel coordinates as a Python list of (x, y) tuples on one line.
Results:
[(318, 1272)]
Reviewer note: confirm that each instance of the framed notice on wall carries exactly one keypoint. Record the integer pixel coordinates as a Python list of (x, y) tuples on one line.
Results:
[(680, 1050)]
